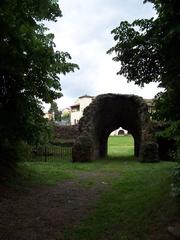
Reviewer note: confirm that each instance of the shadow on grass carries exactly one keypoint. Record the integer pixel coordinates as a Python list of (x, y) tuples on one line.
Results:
[(130, 158), (29, 174)]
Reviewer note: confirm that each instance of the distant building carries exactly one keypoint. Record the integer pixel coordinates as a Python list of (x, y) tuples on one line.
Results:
[(119, 131), (150, 104), (49, 116), (77, 109)]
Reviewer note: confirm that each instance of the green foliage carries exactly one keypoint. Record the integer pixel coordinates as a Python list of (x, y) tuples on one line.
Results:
[(147, 43), (66, 116), (29, 68), (148, 50), (137, 52), (10, 154)]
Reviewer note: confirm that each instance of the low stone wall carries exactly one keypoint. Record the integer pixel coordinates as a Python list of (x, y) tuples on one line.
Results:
[(66, 132)]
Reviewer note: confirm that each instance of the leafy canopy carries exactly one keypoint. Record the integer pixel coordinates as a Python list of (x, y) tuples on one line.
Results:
[(29, 67), (148, 50)]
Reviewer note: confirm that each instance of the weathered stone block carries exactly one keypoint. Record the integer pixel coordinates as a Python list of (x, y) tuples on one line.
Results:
[(82, 149)]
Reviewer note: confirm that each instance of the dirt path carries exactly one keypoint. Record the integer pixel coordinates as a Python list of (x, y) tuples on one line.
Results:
[(42, 213)]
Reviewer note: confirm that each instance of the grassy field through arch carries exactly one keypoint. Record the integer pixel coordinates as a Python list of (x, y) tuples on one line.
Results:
[(122, 145)]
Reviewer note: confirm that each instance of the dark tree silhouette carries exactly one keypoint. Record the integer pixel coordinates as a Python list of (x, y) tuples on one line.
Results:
[(29, 68)]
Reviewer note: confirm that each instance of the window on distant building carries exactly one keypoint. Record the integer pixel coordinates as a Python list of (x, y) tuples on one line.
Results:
[(75, 108)]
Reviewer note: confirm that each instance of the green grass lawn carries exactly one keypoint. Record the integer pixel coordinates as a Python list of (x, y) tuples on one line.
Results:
[(138, 200), (121, 145)]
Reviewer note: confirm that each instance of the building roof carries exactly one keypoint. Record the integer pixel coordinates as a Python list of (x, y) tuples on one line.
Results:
[(149, 101), (86, 96)]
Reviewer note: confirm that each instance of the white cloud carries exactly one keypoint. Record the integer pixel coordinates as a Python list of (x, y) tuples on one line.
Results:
[(84, 31)]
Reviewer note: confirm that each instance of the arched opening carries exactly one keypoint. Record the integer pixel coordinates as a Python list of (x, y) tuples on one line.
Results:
[(120, 144), (105, 114), (114, 112)]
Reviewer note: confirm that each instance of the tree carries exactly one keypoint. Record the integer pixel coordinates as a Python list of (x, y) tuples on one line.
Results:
[(148, 50), (29, 68), (66, 117), (55, 111)]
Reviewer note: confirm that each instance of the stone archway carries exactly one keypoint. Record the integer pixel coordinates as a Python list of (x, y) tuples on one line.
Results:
[(107, 113)]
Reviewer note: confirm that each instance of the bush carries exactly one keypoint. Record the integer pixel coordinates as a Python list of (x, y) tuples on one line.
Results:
[(10, 154), (150, 152)]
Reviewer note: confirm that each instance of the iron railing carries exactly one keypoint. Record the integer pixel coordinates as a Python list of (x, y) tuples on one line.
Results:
[(50, 153)]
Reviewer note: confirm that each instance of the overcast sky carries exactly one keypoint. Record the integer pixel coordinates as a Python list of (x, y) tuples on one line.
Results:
[(84, 32)]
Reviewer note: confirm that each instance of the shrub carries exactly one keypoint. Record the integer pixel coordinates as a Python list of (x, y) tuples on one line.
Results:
[(150, 152), (176, 176), (10, 154)]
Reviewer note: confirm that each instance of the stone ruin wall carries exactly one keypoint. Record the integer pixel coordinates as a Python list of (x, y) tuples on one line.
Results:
[(105, 114)]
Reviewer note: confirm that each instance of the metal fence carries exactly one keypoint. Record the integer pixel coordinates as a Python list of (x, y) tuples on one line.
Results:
[(50, 153)]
